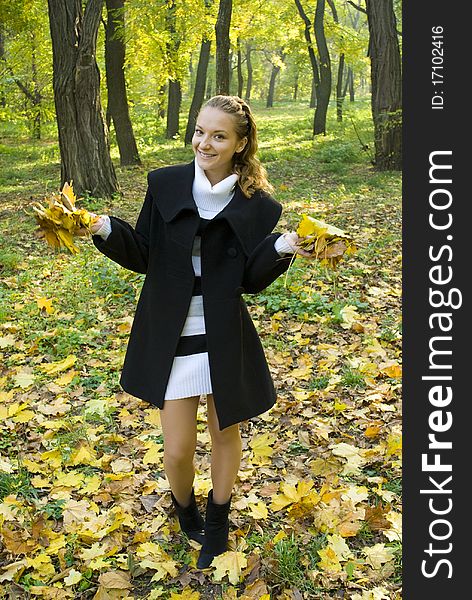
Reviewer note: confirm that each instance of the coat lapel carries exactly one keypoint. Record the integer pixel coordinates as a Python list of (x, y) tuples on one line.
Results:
[(172, 190), (251, 219)]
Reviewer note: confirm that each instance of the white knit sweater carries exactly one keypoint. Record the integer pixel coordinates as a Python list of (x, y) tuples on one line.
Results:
[(190, 375)]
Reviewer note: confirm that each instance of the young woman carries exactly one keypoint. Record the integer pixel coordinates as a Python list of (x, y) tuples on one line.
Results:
[(203, 238)]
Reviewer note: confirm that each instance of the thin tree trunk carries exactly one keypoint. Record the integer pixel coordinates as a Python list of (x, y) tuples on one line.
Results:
[(199, 91), (161, 101), (351, 84), (270, 94), (295, 86), (209, 88), (117, 107), (324, 87), (313, 93), (249, 67), (37, 97), (339, 89), (339, 81), (83, 135), (174, 97), (273, 78), (384, 54), (222, 27), (240, 70), (173, 109), (3, 99), (311, 54)]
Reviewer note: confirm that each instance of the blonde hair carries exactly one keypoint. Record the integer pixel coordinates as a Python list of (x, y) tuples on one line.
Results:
[(252, 175)]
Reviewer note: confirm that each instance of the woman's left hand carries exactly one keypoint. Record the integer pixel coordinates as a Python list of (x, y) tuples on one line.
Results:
[(292, 240)]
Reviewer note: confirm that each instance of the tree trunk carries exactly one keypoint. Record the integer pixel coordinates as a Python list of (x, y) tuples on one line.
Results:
[(339, 83), (161, 101), (222, 27), (209, 88), (83, 135), (174, 97), (313, 93), (384, 54), (199, 91), (323, 90), (249, 49), (339, 89), (173, 109), (37, 96), (311, 54), (295, 86), (117, 107), (270, 94), (240, 71), (3, 99), (351, 84)]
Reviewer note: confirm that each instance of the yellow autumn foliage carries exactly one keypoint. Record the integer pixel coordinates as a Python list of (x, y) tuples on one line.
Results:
[(60, 220), (326, 242)]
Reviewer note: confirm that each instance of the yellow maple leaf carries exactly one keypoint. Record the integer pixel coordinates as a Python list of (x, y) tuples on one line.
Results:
[(45, 304), (24, 378), (258, 510), (120, 580), (83, 455), (229, 563), (260, 444), (72, 578), (340, 547), (42, 565), (349, 316), (329, 561), (294, 494), (66, 378), (377, 555), (153, 455), (91, 484), (60, 365), (152, 417), (52, 458), (24, 416)]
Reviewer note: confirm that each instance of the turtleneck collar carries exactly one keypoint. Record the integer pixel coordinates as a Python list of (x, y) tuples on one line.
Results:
[(211, 199)]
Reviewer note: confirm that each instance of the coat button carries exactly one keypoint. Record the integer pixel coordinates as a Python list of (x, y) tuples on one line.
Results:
[(232, 252)]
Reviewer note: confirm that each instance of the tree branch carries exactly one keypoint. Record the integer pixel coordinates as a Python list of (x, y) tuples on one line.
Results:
[(357, 7)]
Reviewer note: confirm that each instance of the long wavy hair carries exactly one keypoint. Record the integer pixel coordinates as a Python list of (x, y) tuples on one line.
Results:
[(252, 175)]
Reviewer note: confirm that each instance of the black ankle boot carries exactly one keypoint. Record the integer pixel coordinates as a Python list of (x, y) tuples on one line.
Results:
[(216, 532), (190, 520)]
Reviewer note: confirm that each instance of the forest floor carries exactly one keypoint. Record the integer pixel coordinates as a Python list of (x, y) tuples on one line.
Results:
[(85, 509)]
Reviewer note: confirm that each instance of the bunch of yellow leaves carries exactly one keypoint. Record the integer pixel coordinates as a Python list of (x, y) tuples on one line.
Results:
[(61, 220), (324, 241)]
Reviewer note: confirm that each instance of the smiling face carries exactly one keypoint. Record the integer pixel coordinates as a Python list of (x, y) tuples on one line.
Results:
[(215, 142)]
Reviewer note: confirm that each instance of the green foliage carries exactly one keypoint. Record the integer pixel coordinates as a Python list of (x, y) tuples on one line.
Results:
[(352, 378), (17, 483), (9, 259)]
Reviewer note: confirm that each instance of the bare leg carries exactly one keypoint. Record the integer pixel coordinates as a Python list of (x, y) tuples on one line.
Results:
[(179, 429), (225, 455)]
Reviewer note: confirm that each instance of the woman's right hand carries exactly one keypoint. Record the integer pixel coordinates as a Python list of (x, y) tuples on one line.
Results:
[(94, 227)]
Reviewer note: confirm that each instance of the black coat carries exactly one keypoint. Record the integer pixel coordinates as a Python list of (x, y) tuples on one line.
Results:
[(237, 256)]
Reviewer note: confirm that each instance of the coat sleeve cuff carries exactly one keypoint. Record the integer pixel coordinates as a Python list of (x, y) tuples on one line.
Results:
[(105, 228), (282, 246)]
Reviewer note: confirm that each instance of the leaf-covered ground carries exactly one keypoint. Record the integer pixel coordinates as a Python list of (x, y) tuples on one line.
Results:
[(85, 510)]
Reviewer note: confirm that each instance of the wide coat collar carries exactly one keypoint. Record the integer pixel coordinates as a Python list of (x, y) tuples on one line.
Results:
[(251, 219)]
